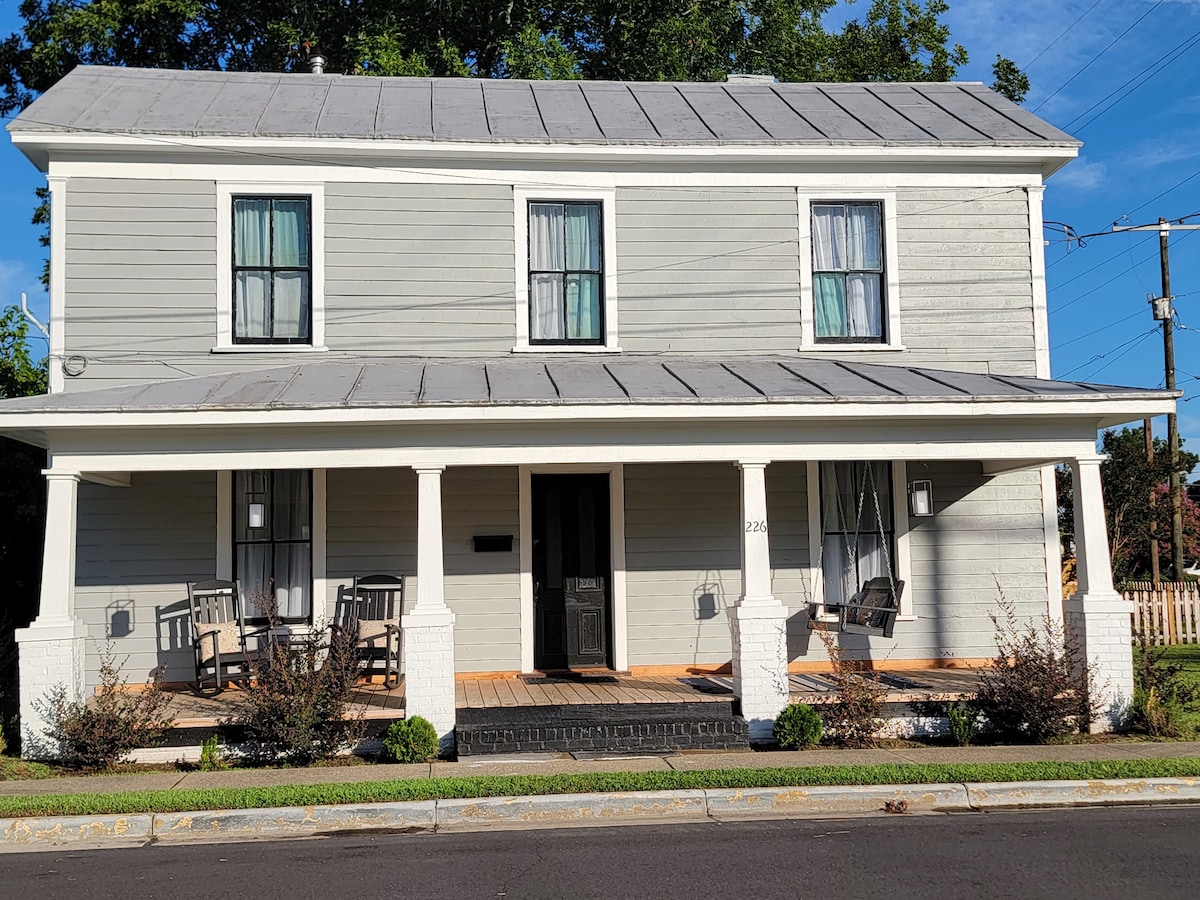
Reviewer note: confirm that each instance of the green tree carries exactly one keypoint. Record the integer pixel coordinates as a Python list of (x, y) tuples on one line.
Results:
[(23, 499), (1128, 481)]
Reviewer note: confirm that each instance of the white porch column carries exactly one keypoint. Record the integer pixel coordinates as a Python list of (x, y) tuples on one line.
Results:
[(52, 648), (1096, 615), (758, 622), (428, 630)]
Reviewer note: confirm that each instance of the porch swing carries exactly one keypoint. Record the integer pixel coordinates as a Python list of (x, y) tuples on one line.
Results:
[(873, 608)]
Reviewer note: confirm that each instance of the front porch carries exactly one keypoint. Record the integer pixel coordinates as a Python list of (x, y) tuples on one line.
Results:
[(708, 520)]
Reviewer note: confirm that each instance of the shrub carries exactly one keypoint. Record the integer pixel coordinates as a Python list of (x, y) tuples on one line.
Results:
[(410, 741), (1039, 686), (296, 705), (856, 713), (964, 724), (797, 727), (1162, 696), (97, 734), (212, 755)]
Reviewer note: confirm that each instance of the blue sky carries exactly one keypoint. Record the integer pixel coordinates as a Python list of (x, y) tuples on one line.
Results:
[(1146, 145)]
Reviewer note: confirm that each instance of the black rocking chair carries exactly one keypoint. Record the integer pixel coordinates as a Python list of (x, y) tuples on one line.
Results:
[(873, 609), (219, 635), (369, 613)]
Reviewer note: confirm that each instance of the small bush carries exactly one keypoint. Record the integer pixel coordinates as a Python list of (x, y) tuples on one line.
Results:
[(1162, 695), (1039, 686), (964, 724), (410, 741), (297, 704), (857, 712), (798, 727), (212, 755), (98, 734)]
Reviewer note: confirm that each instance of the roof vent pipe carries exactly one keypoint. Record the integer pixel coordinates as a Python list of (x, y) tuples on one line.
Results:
[(316, 64), (745, 78)]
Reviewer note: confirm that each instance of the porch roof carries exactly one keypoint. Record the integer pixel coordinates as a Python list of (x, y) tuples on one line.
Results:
[(566, 381)]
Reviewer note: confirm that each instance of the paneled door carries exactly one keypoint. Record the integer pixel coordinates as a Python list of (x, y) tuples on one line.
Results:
[(571, 571)]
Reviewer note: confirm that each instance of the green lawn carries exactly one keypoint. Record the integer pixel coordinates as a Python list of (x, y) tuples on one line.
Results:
[(518, 785), (1188, 657)]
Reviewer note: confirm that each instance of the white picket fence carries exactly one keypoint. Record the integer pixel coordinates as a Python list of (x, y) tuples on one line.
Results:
[(1170, 613)]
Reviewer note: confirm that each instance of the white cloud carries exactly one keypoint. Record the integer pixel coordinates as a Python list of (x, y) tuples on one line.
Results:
[(1080, 175)]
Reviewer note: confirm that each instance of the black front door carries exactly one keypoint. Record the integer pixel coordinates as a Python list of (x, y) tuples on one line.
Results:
[(571, 571)]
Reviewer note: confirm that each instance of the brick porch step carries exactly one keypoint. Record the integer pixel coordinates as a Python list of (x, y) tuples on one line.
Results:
[(616, 727)]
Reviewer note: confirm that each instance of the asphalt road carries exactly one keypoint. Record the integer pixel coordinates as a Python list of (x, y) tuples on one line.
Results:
[(1091, 853)]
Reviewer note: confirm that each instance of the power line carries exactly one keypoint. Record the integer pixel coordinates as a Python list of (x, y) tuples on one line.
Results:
[(1097, 331), (1153, 69), (1089, 63), (1062, 34), (1126, 346)]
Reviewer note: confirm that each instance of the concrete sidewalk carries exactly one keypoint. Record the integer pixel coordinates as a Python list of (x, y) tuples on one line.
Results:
[(553, 811), (554, 764)]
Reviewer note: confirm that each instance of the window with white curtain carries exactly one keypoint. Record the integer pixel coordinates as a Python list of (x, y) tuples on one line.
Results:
[(566, 272), (272, 270), (272, 543), (857, 527), (848, 271)]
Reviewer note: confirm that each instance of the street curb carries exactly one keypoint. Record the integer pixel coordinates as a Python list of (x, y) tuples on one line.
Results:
[(556, 810), (1034, 794)]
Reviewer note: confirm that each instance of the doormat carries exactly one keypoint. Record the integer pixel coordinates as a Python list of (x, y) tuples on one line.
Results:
[(569, 678)]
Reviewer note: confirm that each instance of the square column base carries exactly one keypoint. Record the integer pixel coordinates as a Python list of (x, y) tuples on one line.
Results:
[(429, 669), (1101, 624), (51, 653), (760, 680)]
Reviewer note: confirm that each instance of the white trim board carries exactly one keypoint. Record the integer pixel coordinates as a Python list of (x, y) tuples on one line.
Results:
[(58, 282), (885, 176), (619, 620)]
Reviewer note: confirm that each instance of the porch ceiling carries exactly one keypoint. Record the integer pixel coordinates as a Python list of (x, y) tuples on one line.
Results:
[(566, 381)]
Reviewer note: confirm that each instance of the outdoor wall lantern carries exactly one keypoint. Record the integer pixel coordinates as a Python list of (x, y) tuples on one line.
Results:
[(920, 498), (255, 515)]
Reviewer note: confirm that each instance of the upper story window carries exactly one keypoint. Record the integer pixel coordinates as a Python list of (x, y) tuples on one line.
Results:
[(272, 270), (566, 270), (271, 267), (566, 273), (848, 271)]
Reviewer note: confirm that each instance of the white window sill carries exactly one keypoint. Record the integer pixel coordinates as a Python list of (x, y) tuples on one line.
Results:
[(269, 348), (857, 348), (564, 348)]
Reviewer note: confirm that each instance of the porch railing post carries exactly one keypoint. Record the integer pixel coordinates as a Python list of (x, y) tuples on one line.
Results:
[(1097, 618), (428, 631), (52, 648), (758, 623)]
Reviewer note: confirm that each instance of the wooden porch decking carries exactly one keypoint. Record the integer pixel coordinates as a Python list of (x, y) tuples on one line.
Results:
[(375, 702)]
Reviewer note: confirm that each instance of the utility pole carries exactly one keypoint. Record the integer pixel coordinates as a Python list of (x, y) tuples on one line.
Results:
[(1163, 313)]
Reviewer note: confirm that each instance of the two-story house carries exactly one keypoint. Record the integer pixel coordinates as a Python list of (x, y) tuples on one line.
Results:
[(696, 355)]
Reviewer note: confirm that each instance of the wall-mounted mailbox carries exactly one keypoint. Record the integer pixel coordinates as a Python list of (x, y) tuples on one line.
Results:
[(493, 543)]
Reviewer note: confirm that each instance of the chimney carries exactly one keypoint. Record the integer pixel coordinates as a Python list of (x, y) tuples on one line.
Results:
[(316, 64), (741, 78)]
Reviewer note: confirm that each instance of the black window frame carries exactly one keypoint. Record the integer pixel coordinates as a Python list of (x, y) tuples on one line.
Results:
[(269, 511), (890, 531), (271, 270), (600, 339), (884, 299)]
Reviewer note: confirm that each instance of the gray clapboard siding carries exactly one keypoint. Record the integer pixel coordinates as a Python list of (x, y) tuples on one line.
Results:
[(372, 528), (137, 549), (683, 569), (726, 256), (483, 589)]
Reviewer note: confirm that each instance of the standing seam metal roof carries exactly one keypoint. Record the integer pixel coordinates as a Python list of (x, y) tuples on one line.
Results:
[(214, 104), (560, 381)]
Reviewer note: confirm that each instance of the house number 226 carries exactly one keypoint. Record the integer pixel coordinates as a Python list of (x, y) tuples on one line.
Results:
[(756, 526)]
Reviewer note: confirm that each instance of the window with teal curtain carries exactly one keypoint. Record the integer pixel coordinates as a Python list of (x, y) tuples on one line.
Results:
[(847, 254), (272, 270), (565, 273)]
